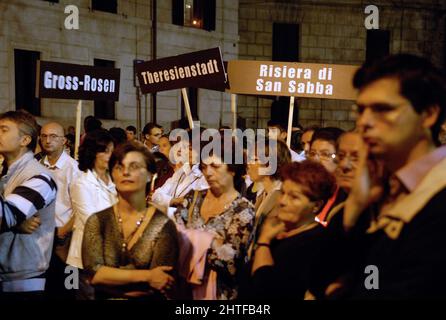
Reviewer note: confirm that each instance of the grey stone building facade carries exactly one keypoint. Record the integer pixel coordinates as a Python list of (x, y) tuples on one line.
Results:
[(35, 28), (334, 32), (297, 30)]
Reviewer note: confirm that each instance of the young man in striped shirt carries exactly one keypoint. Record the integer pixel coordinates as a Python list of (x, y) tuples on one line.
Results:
[(27, 194)]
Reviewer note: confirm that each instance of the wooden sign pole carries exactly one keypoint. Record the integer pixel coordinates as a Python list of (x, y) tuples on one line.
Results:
[(78, 129), (138, 111), (234, 111), (186, 104), (290, 122)]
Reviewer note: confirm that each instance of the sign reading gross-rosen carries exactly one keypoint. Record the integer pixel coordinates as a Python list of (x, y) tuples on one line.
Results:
[(74, 81), (200, 69), (329, 81)]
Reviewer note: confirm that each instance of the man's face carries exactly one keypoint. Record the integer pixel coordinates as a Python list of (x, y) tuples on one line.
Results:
[(130, 135), (348, 157), (155, 135), (11, 139), (275, 133), (387, 121), (52, 138), (305, 140)]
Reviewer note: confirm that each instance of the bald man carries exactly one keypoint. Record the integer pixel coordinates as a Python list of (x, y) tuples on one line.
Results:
[(65, 170)]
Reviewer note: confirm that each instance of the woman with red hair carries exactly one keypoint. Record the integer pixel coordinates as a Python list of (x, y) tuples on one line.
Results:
[(290, 242)]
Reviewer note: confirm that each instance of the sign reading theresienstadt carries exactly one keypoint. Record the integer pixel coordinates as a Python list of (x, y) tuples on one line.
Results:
[(200, 69), (329, 81), (74, 81)]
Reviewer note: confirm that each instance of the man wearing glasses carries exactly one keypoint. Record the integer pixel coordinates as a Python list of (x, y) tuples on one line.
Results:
[(152, 133), (401, 107), (65, 170)]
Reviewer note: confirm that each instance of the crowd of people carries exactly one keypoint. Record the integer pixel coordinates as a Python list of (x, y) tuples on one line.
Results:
[(148, 218)]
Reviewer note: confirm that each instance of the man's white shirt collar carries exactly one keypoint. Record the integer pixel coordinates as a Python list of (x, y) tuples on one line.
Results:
[(59, 163)]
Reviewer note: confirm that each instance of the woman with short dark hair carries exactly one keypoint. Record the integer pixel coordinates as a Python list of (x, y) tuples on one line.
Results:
[(93, 191), (130, 249), (266, 181)]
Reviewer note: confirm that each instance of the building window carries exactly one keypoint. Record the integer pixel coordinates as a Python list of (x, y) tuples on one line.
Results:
[(25, 64), (105, 5), (194, 13), (285, 48), (192, 95), (104, 109), (285, 42), (377, 45), (189, 17)]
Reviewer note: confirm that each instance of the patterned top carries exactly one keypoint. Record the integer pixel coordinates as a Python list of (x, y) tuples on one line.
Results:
[(234, 227), (158, 246)]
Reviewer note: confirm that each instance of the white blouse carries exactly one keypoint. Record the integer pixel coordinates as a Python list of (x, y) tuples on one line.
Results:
[(183, 180), (89, 194)]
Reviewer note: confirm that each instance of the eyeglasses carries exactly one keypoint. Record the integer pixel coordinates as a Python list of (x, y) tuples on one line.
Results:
[(131, 168), (324, 155), (50, 136)]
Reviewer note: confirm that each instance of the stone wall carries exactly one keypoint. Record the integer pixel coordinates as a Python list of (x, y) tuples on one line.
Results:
[(330, 32), (173, 40), (333, 32), (39, 26)]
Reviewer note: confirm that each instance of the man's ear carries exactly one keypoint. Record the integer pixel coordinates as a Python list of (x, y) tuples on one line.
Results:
[(25, 140), (430, 116)]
